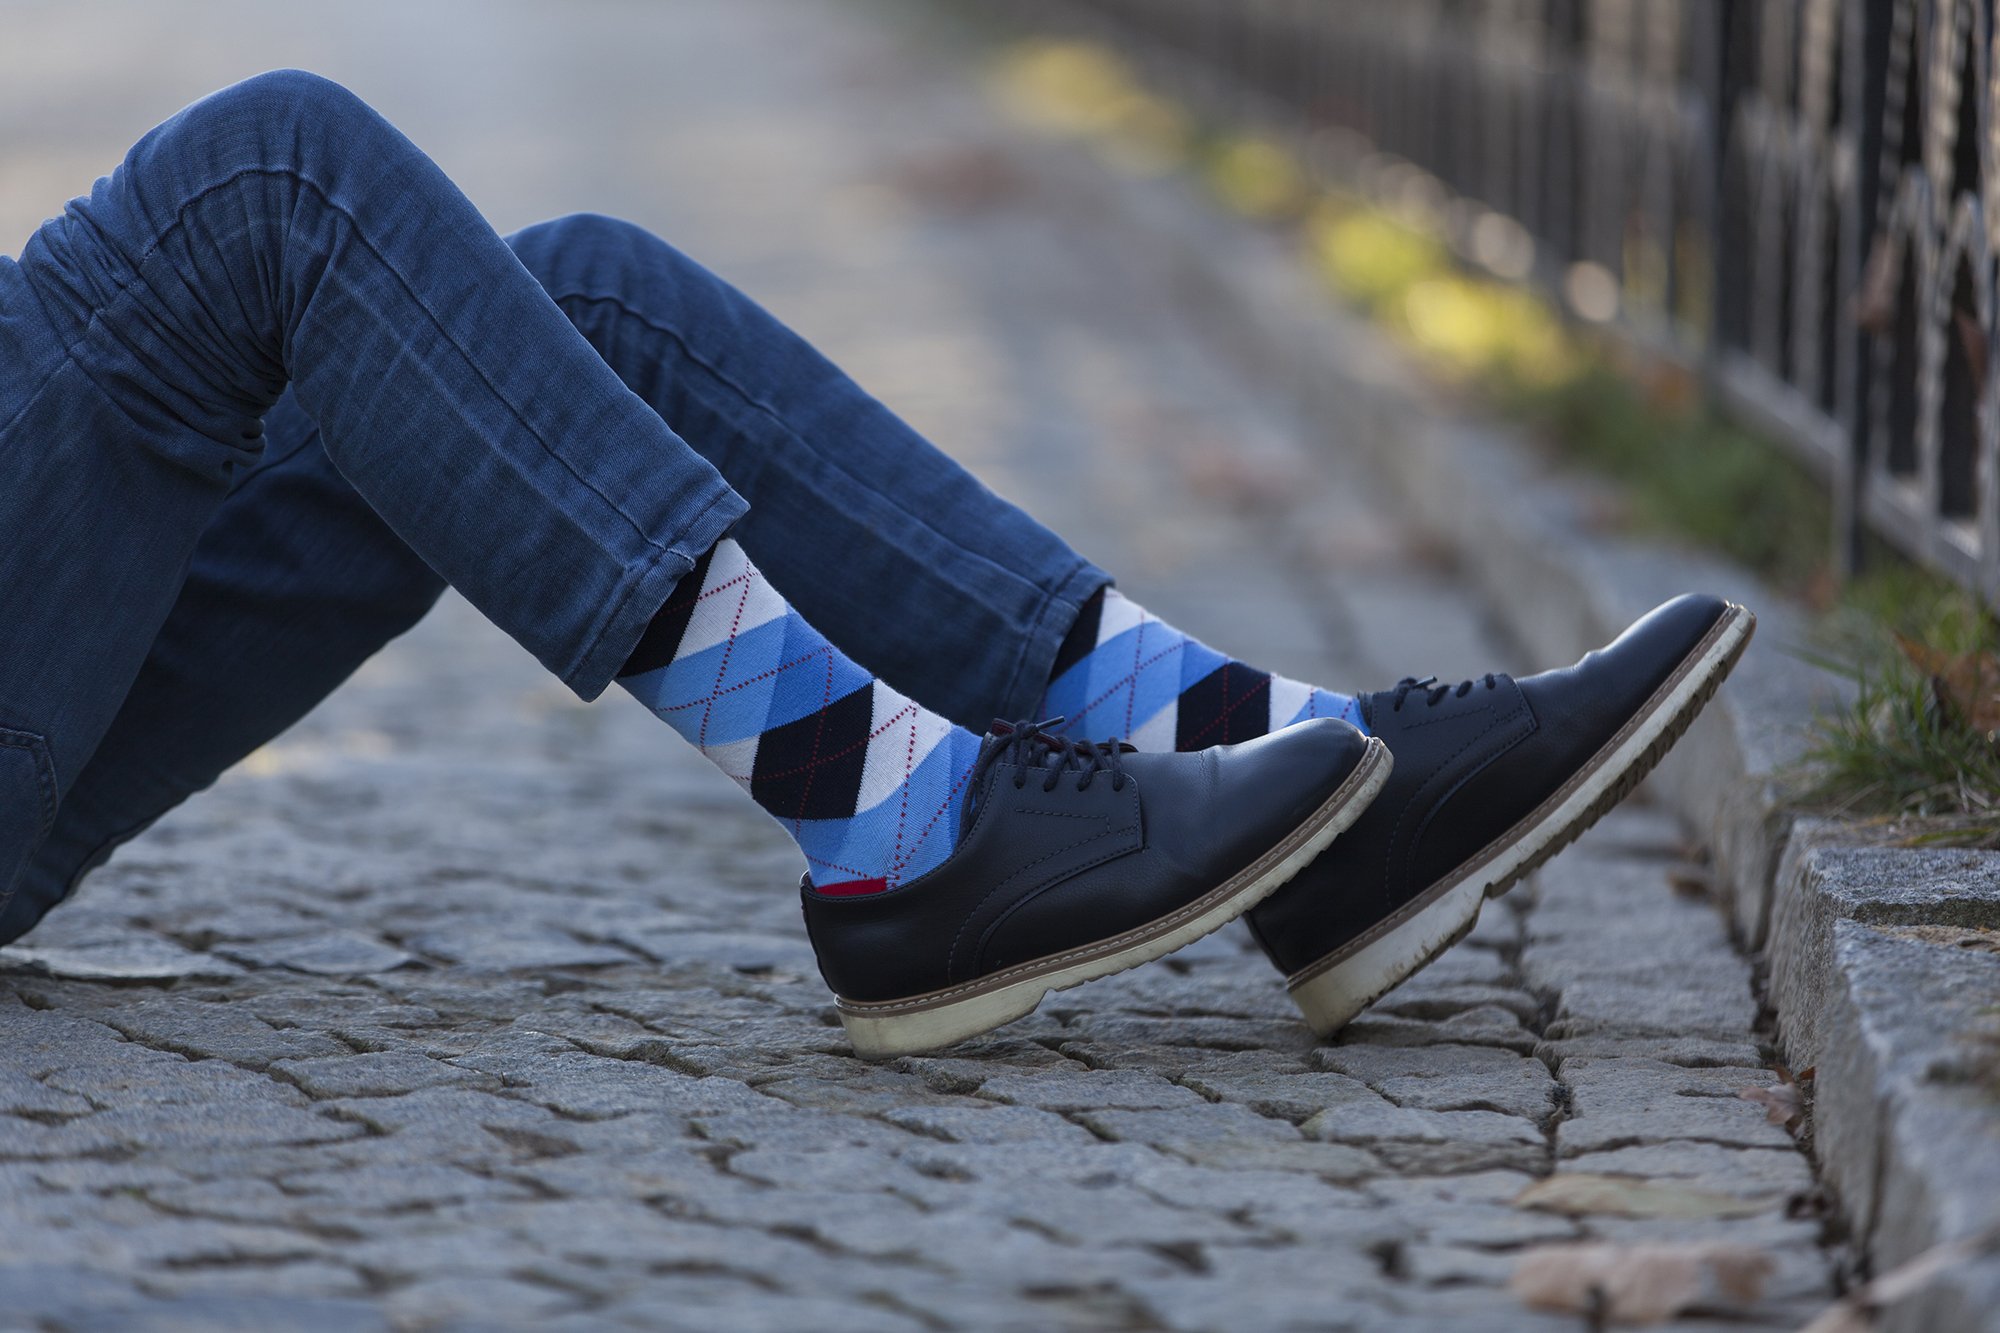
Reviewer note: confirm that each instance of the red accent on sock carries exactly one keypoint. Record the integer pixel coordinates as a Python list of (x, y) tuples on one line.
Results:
[(852, 887)]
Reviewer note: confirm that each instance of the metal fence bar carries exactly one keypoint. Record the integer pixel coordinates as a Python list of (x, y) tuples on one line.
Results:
[(1799, 197)]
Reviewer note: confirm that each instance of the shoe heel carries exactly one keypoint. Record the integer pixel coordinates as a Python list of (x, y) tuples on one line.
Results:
[(878, 1035), (1333, 998)]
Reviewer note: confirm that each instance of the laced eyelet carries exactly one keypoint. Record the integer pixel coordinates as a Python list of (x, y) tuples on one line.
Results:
[(1434, 693), (1031, 745)]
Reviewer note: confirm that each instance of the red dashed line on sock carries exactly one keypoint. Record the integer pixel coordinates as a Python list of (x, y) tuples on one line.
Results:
[(1229, 708), (909, 772), (830, 756), (722, 667), (950, 802), (819, 734)]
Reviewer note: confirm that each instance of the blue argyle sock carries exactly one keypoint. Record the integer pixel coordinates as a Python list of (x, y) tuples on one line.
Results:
[(867, 782), (1125, 672)]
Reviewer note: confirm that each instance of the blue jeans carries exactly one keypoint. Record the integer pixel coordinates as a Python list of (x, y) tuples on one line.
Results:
[(275, 382)]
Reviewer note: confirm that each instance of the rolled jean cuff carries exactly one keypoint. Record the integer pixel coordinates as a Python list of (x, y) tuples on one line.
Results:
[(1043, 639), (645, 589)]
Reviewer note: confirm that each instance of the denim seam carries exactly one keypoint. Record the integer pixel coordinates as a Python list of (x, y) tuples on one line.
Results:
[(618, 602), (1084, 579), (777, 418), (37, 750), (297, 178)]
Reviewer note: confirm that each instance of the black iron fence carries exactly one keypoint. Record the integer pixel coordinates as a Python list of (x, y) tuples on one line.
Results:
[(1799, 197)]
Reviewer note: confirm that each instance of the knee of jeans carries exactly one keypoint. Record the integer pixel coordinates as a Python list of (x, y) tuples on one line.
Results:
[(281, 93), (286, 107), (583, 252)]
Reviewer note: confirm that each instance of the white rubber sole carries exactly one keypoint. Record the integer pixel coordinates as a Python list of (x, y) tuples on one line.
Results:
[(1339, 986), (928, 1022)]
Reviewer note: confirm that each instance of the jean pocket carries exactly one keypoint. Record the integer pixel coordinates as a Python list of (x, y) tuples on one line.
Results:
[(27, 798)]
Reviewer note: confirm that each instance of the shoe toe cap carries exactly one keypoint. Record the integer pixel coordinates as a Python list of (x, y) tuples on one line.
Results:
[(1597, 694)]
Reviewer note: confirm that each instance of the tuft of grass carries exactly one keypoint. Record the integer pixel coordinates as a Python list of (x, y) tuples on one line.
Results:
[(1921, 744)]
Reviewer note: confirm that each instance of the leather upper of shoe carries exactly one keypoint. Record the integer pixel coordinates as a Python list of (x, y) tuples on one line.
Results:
[(1471, 761), (1053, 857)]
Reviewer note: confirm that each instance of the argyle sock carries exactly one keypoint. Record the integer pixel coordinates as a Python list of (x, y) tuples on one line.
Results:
[(1125, 672), (867, 782)]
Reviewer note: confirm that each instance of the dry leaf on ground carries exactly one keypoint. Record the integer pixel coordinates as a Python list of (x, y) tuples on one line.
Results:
[(1581, 1194), (1782, 1102), (1979, 939), (1968, 684), (1642, 1283)]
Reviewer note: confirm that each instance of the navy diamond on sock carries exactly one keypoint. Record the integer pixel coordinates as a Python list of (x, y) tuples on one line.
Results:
[(1231, 703), (1082, 637), (811, 768), (663, 636)]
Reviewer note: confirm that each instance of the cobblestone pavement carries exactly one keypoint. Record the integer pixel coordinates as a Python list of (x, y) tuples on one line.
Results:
[(465, 1005)]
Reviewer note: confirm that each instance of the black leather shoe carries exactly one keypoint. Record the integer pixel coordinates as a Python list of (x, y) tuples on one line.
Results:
[(1492, 778), (1078, 860)]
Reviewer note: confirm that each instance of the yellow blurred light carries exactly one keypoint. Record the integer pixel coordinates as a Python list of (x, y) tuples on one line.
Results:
[(1369, 257), (1257, 178), (1062, 86), (1080, 90)]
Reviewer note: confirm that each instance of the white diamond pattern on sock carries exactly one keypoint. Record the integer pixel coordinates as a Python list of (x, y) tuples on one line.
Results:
[(734, 600), (904, 735), (1287, 698)]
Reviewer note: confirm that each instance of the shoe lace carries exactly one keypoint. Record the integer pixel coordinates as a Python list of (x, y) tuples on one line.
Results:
[(1034, 745), (1434, 693)]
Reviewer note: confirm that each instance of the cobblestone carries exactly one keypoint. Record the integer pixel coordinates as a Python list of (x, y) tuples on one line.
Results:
[(332, 954), (1450, 1078), (464, 1005), (1616, 1103)]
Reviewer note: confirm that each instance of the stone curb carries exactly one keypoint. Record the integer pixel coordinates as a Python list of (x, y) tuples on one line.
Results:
[(1827, 881), (1905, 1129), (1889, 1133)]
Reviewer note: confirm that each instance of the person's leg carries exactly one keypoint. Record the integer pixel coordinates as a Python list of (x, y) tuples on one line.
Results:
[(281, 231), (299, 578), (818, 452), (902, 557)]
